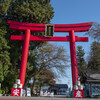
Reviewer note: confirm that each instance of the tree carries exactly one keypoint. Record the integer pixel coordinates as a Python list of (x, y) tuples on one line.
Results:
[(94, 31), (47, 57), (44, 78), (94, 56), (4, 48), (80, 56), (81, 63), (31, 11), (4, 57)]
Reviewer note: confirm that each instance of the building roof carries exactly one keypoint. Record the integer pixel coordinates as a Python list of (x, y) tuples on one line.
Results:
[(61, 85), (93, 77), (93, 81)]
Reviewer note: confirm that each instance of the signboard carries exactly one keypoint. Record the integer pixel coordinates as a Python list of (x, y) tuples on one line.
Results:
[(49, 30), (95, 89), (16, 92), (78, 93)]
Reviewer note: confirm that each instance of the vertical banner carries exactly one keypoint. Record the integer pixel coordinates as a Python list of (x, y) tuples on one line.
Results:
[(16, 92), (78, 93)]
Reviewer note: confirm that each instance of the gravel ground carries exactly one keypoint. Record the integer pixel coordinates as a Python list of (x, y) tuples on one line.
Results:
[(42, 98)]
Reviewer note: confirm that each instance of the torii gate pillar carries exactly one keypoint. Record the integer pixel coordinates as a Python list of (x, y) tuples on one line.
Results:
[(24, 57), (73, 57)]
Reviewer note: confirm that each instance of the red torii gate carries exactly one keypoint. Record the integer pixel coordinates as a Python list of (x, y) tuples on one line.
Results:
[(27, 37)]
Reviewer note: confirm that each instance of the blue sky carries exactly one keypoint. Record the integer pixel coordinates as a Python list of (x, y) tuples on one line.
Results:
[(75, 11)]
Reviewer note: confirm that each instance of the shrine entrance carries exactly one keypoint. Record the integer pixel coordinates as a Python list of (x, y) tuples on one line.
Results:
[(27, 37)]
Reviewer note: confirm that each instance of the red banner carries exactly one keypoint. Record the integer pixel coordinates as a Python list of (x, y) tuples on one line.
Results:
[(16, 92), (78, 93)]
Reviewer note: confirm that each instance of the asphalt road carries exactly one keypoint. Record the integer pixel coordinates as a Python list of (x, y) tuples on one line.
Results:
[(42, 98)]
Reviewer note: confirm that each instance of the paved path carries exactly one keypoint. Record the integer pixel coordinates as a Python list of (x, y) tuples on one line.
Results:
[(42, 98)]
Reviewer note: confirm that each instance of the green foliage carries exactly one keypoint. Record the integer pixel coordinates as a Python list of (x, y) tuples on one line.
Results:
[(80, 57), (31, 11), (93, 61), (0, 91), (4, 6), (3, 91), (81, 63), (94, 57), (4, 53)]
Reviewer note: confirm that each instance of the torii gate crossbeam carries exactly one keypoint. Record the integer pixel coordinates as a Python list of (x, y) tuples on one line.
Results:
[(27, 37)]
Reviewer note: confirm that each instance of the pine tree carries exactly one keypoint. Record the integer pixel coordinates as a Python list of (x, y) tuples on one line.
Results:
[(80, 57), (81, 63), (94, 56), (31, 11), (4, 47)]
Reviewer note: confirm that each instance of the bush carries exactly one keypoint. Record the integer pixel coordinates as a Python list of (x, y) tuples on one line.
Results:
[(3, 91), (0, 91)]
